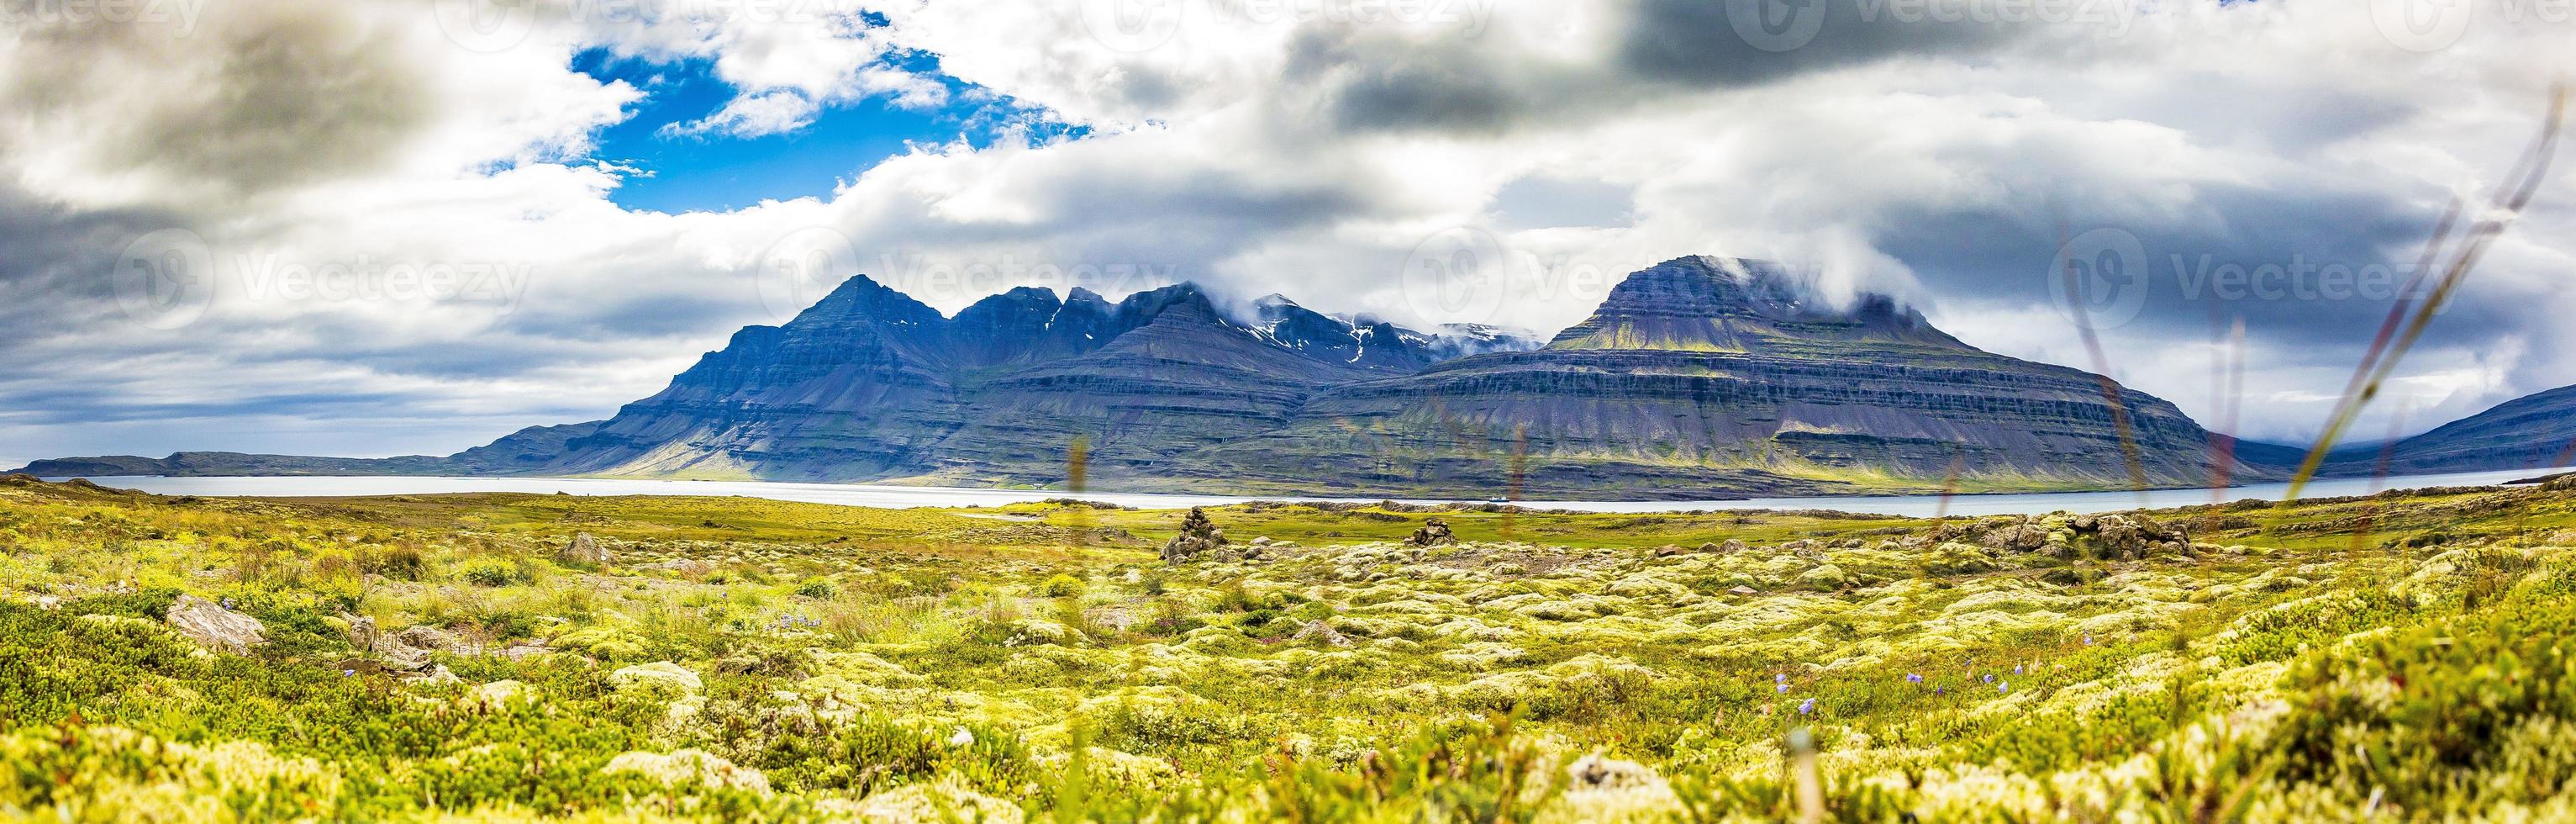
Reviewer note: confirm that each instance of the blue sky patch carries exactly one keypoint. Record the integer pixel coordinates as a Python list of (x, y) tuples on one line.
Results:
[(715, 171)]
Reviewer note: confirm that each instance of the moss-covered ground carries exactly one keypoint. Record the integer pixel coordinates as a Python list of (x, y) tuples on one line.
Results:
[(2402, 656)]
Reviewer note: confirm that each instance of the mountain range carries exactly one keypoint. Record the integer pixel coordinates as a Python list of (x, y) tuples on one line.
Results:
[(1697, 378)]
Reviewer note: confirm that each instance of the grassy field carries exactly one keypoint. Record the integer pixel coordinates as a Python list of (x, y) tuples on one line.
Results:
[(433, 657)]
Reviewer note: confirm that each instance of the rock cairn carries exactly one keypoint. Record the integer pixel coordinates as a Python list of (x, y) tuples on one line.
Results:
[(1199, 539)]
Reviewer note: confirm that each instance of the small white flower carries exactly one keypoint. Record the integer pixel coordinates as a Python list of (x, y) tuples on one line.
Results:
[(962, 738)]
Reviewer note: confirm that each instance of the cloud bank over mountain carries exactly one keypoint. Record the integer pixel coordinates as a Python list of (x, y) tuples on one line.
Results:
[(401, 235)]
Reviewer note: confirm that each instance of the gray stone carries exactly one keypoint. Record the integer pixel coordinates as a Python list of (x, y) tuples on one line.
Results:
[(211, 625), (585, 550)]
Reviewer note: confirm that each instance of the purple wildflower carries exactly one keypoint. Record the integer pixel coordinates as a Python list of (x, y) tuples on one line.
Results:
[(1990, 678), (1807, 707)]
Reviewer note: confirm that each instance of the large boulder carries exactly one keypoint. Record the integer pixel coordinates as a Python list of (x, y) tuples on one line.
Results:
[(584, 550), (212, 625), (1434, 532), (1318, 632), (2021, 537), (431, 638), (2131, 537)]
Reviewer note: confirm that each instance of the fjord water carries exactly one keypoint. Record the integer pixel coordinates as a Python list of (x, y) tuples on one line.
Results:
[(917, 496)]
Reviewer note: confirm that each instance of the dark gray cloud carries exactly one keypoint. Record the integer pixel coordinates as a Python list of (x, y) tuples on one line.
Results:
[(1703, 43), (278, 94)]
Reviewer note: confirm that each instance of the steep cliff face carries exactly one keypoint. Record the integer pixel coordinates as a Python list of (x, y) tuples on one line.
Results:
[(1715, 377), (858, 381)]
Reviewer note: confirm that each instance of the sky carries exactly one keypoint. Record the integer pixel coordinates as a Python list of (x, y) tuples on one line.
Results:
[(411, 226)]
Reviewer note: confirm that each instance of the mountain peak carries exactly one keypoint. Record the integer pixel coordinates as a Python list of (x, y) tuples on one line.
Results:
[(861, 298), (1734, 305)]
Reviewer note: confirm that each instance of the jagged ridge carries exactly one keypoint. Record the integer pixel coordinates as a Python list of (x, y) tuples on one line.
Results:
[(1700, 377)]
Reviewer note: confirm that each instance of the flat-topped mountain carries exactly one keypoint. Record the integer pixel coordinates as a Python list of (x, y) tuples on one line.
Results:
[(1699, 377)]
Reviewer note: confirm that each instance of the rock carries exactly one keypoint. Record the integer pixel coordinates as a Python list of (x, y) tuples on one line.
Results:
[(689, 770), (1740, 589), (658, 672), (1730, 546), (1198, 540), (497, 695), (523, 651), (1595, 772), (584, 550), (1609, 789), (393, 654), (2130, 537), (1434, 532), (213, 626), (2016, 538), (1667, 551), (1318, 631), (1030, 632), (429, 638), (1826, 578)]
